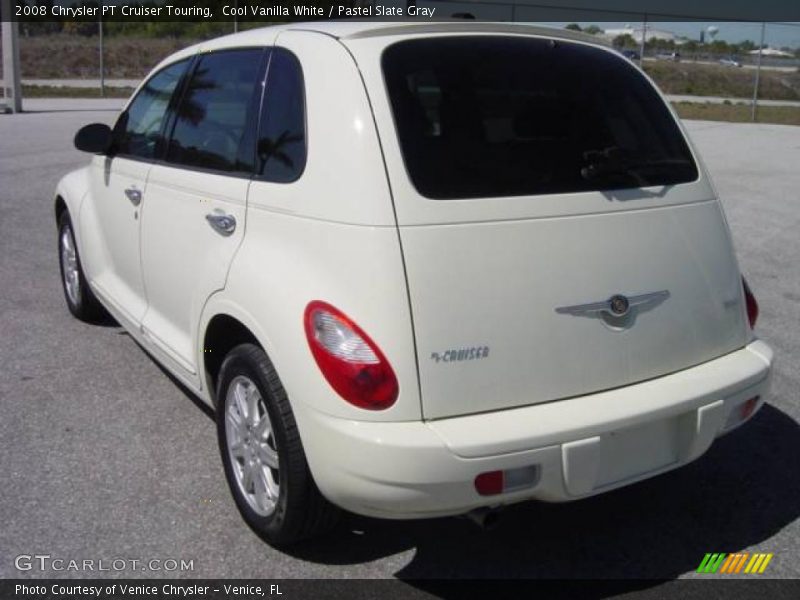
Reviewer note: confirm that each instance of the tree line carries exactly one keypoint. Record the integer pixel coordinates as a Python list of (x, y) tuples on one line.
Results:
[(715, 47)]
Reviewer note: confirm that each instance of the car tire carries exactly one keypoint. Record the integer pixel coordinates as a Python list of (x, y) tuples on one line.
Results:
[(81, 301), (262, 453)]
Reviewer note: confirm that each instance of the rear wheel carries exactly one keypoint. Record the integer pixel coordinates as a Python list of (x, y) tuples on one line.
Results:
[(81, 302), (262, 453)]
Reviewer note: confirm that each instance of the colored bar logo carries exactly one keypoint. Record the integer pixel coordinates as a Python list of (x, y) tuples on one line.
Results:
[(738, 562)]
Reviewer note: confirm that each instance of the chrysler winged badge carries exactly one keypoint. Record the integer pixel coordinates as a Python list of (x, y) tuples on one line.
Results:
[(617, 305)]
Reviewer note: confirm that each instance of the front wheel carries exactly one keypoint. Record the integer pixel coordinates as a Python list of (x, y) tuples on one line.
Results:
[(81, 302), (262, 454)]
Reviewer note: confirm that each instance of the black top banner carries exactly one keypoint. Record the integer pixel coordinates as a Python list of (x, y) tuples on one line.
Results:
[(395, 589), (419, 10)]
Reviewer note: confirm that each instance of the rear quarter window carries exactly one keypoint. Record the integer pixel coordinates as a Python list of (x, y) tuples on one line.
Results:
[(281, 148), (494, 116)]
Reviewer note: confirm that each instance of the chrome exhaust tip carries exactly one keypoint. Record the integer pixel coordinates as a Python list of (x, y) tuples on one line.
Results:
[(486, 518)]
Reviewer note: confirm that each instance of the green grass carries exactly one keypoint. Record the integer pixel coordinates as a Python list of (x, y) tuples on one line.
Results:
[(45, 91), (718, 80), (738, 113), (63, 56)]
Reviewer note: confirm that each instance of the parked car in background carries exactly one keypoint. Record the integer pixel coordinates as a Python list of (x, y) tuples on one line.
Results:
[(631, 54), (673, 56), (412, 279), (730, 61)]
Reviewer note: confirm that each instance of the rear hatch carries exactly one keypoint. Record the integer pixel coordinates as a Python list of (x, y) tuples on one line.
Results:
[(560, 237)]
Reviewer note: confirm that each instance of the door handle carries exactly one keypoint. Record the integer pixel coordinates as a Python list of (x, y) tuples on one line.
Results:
[(221, 222), (134, 195)]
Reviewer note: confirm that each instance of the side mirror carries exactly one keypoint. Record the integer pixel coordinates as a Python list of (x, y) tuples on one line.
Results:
[(95, 138)]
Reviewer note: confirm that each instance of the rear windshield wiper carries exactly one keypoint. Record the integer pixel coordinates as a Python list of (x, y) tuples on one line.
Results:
[(612, 162)]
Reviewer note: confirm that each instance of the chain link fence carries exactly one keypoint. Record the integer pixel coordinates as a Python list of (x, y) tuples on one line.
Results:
[(728, 63)]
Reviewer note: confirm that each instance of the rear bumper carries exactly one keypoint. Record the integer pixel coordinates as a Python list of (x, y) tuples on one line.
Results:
[(580, 446)]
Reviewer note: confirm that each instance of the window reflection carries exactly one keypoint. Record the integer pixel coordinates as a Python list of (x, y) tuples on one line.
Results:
[(138, 130), (215, 110), (281, 149)]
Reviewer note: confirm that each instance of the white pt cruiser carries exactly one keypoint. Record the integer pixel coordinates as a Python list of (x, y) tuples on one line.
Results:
[(418, 270)]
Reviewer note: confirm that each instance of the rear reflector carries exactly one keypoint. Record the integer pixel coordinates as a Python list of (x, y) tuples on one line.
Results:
[(742, 412), (752, 305), (747, 409), (489, 484), (510, 480)]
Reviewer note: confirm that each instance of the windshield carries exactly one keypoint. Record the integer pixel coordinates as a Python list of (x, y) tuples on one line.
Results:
[(497, 116)]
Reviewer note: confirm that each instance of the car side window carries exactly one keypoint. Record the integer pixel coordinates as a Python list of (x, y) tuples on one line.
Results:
[(137, 132), (218, 103), (281, 150)]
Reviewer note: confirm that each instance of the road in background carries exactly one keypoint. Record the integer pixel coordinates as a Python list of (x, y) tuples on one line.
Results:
[(132, 83), (716, 63), (105, 456), (721, 100), (82, 83)]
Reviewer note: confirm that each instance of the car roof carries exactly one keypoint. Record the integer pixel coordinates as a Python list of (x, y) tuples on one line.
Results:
[(358, 29), (355, 29)]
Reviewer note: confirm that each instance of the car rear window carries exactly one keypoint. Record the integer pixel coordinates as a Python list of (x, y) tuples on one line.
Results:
[(498, 116)]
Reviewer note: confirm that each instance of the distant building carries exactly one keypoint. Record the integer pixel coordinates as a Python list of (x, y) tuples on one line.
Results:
[(772, 52), (636, 33)]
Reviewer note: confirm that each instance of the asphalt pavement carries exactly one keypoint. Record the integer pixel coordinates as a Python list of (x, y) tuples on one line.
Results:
[(723, 100), (105, 457)]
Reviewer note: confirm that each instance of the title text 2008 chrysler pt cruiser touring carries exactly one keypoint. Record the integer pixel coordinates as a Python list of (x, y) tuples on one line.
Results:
[(419, 270)]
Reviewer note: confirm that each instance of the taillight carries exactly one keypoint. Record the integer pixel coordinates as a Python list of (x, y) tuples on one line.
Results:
[(351, 362), (752, 305)]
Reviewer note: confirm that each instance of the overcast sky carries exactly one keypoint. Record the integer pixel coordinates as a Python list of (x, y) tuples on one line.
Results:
[(776, 35)]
